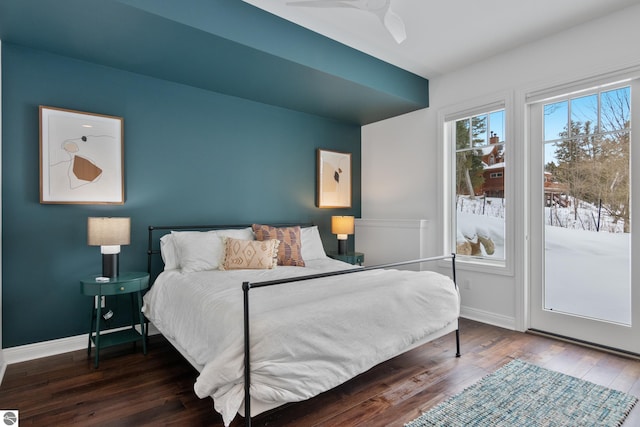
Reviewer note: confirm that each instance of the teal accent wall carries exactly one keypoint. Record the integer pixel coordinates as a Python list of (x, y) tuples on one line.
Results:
[(191, 156)]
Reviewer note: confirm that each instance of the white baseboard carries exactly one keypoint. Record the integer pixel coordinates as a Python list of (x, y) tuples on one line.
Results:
[(3, 366), (494, 319), (27, 352), (43, 349)]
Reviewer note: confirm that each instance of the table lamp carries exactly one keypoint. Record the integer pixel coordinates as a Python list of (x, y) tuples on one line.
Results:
[(342, 226), (109, 233)]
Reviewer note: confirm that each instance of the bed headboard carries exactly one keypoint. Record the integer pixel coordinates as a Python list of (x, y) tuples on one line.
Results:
[(154, 261)]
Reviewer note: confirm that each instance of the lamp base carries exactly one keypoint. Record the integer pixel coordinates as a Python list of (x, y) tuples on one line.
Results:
[(342, 247), (110, 267)]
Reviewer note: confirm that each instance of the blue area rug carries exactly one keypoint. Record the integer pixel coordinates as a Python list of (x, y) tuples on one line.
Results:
[(520, 394)]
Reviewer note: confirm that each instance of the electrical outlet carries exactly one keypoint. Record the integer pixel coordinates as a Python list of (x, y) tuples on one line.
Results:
[(103, 301)]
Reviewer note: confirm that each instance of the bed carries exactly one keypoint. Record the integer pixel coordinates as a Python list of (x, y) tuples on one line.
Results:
[(262, 335)]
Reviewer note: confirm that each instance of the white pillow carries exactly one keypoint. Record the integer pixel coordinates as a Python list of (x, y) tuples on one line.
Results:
[(240, 233), (311, 244), (168, 252), (199, 250)]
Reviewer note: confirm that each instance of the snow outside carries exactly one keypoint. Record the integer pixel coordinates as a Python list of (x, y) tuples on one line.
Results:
[(575, 256)]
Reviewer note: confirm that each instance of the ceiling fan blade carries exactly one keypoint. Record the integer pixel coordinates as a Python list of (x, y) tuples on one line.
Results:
[(321, 3), (395, 26), (392, 22)]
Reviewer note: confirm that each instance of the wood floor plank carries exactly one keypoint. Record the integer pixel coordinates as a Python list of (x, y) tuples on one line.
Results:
[(130, 389), (627, 379)]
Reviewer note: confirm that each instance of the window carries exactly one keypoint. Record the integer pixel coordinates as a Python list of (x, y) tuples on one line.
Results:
[(586, 161), (478, 185)]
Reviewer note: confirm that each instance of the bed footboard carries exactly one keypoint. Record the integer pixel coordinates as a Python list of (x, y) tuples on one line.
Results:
[(247, 286)]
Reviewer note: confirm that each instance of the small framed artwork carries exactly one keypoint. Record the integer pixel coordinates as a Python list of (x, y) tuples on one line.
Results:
[(334, 179), (81, 157)]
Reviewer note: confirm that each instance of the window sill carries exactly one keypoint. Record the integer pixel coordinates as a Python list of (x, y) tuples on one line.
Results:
[(466, 263)]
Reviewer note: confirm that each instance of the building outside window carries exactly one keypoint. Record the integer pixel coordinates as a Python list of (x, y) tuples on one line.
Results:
[(478, 222)]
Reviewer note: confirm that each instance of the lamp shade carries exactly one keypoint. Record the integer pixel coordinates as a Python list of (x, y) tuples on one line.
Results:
[(108, 231), (342, 225)]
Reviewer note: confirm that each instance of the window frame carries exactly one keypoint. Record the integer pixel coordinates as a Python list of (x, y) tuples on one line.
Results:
[(446, 170)]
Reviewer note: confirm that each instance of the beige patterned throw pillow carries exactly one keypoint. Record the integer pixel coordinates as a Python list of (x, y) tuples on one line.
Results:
[(289, 252), (249, 254)]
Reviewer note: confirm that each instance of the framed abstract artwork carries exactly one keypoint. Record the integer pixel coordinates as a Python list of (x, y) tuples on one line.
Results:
[(81, 157), (334, 179)]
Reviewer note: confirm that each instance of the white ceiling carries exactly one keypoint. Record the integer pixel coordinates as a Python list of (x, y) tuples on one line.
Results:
[(447, 34)]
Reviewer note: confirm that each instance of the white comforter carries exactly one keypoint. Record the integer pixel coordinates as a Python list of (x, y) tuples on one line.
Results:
[(306, 337)]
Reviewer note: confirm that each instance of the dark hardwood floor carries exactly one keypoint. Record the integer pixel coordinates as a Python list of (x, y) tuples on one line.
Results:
[(130, 389)]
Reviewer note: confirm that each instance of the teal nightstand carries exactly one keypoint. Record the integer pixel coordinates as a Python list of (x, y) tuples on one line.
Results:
[(127, 283), (355, 258)]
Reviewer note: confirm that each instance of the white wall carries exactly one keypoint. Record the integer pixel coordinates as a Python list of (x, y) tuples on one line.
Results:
[(3, 364), (409, 238), (400, 165)]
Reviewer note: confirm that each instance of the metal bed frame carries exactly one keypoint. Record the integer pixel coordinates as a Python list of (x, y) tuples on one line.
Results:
[(247, 286)]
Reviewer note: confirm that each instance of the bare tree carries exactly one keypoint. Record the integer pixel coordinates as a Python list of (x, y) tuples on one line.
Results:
[(593, 158), (469, 168)]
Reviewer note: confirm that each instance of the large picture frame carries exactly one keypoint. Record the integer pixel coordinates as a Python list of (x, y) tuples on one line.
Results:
[(81, 157), (334, 179)]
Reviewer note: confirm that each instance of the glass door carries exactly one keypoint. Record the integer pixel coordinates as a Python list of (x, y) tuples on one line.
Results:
[(581, 217)]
